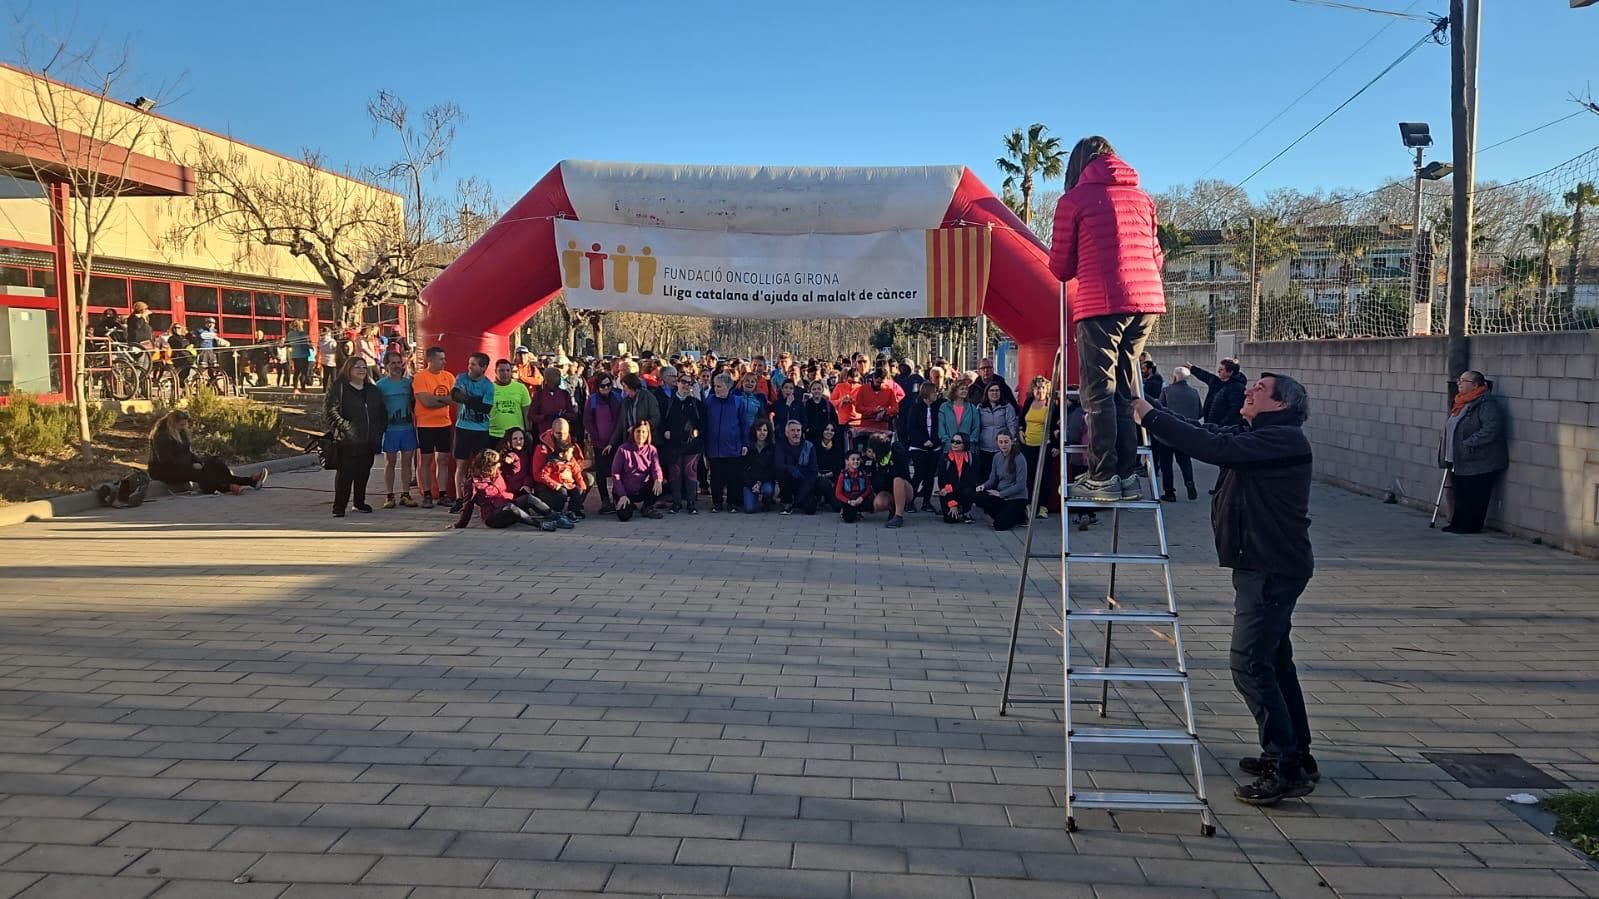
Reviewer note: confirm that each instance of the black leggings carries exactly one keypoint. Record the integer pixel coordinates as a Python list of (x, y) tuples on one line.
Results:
[(924, 466), (355, 466), (215, 477), (1472, 495), (571, 501), (302, 373), (724, 482)]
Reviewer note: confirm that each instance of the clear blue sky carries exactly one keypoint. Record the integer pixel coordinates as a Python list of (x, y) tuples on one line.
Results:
[(1174, 84)]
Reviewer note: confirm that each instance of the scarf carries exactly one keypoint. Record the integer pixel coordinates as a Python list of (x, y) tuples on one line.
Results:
[(1466, 396)]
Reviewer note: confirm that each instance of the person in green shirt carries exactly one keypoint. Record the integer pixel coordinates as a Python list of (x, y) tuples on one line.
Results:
[(511, 401)]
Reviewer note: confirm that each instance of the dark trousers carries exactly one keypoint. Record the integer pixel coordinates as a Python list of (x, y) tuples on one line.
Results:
[(602, 475), (984, 460), (853, 514), (725, 488), (643, 497), (1163, 459), (797, 491), (963, 500), (683, 479), (1472, 493), (1006, 513), (214, 476), (924, 470), (302, 372), (1107, 349), (570, 501), (823, 489), (355, 466), (1262, 660)]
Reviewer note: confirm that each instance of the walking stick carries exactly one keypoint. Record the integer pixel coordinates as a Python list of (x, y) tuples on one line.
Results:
[(1438, 503)]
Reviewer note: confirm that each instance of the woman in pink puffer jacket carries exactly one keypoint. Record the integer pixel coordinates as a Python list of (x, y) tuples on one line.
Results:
[(1106, 240)]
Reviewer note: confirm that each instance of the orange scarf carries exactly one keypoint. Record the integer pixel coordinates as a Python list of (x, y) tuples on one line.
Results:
[(1466, 396)]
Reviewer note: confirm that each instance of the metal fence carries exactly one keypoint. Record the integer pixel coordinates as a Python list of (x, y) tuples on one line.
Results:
[(1359, 266)]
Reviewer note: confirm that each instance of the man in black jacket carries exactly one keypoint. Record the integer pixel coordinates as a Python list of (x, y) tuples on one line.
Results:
[(1224, 396), (1261, 515)]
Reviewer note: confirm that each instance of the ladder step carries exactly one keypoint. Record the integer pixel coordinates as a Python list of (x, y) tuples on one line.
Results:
[(1150, 675), (1130, 801), (1083, 448), (1114, 615), (1133, 735), (1118, 558), (1129, 505)]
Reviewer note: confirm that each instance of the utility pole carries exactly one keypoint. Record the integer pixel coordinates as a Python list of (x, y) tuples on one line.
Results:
[(1463, 45), (1254, 283), (982, 336)]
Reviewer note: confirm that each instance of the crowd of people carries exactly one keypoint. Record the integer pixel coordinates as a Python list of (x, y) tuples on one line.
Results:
[(528, 439)]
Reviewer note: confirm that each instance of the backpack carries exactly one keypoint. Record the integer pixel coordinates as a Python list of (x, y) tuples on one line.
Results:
[(127, 493)]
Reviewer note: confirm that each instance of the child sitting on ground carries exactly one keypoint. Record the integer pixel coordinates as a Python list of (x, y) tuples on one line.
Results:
[(854, 489), (495, 505)]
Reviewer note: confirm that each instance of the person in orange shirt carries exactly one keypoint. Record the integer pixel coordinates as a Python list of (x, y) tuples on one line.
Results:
[(844, 399), (763, 380), (876, 404), (528, 371), (434, 432)]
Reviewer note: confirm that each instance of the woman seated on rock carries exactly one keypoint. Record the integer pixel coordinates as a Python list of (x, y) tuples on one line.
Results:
[(174, 463)]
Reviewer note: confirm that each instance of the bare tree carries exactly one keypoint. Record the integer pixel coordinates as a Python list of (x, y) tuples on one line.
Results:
[(88, 146)]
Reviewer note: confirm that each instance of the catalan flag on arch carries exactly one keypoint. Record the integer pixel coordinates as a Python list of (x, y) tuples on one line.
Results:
[(958, 260)]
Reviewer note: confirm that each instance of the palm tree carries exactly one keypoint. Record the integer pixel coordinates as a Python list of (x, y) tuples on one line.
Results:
[(1349, 244), (1519, 273), (1273, 242), (1026, 156), (1579, 198), (1551, 230)]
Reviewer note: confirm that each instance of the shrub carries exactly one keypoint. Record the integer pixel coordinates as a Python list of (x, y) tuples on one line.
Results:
[(31, 428), (233, 428), (1577, 817)]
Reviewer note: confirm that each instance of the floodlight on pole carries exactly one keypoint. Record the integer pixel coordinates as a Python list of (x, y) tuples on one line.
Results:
[(1436, 171), (1415, 134)]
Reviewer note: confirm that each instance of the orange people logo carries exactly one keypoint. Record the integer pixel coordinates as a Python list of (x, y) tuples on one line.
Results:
[(575, 263)]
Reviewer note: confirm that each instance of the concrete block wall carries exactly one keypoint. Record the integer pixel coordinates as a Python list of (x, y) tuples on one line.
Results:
[(1378, 408)]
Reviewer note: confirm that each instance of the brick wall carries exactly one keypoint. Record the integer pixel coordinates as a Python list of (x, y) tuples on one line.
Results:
[(1378, 408)]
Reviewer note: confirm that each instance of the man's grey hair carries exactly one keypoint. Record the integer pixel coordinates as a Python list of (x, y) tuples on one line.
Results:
[(1290, 393), (1179, 374), (723, 380), (667, 371)]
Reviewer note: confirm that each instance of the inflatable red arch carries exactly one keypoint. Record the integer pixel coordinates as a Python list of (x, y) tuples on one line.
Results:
[(503, 278)]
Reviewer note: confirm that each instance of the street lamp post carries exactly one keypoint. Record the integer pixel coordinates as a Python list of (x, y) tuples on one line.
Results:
[(1417, 136)]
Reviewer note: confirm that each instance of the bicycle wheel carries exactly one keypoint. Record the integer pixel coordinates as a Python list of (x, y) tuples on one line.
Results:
[(124, 379), (164, 389), (220, 383)]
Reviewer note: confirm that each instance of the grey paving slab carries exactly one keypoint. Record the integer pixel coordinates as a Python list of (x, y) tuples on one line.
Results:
[(754, 706)]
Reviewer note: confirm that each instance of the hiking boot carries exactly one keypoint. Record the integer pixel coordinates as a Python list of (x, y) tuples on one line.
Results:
[(1168, 497), (427, 500), (338, 513), (788, 509), (567, 517), (1274, 786), (1108, 490), (1043, 512), (606, 509), (651, 512), (578, 514), (362, 507), (407, 501), (259, 479), (1192, 493), (388, 503), (1132, 487), (694, 510), (457, 506), (895, 521), (561, 522), (715, 508), (1256, 766), (927, 506), (546, 526)]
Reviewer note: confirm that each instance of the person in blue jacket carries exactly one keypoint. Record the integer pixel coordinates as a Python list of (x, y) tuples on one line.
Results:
[(796, 469), (752, 405), (724, 437)]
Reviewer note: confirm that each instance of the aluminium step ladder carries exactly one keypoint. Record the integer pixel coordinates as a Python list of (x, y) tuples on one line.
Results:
[(1111, 614)]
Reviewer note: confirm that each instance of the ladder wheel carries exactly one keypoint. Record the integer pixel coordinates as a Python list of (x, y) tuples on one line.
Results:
[(1207, 830), (1071, 824)]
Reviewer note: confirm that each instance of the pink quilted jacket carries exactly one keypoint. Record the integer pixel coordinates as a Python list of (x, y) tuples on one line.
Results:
[(1105, 237)]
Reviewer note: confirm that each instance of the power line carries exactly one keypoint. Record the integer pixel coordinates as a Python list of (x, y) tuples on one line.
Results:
[(1531, 131), (1437, 28), (1295, 102), (1333, 4)]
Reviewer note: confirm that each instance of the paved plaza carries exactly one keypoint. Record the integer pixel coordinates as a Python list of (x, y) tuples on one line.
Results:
[(241, 697)]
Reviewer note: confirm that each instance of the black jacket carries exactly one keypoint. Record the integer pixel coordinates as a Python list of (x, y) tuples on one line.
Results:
[(760, 466), (830, 461), (1261, 510), (172, 460), (1152, 386), (1224, 400), (960, 484), (356, 415), (683, 419), (817, 416), (914, 431)]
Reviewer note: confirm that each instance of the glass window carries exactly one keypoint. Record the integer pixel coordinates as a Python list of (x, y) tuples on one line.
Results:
[(13, 276), (157, 294), (200, 299), (161, 321), (271, 327), (324, 312), (236, 302), (270, 304), (296, 307), (108, 291), (45, 279), (237, 327)]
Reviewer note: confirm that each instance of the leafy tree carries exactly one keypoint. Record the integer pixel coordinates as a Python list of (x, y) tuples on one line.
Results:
[(1174, 241), (1349, 245), (1029, 155), (1550, 231)]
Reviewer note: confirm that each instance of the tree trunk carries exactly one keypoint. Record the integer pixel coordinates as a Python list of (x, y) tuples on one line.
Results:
[(1027, 197), (80, 363)]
